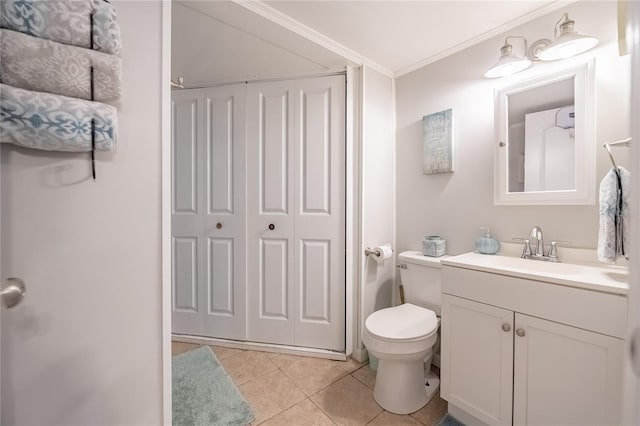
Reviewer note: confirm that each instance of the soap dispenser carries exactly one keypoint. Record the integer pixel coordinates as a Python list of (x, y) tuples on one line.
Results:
[(486, 244)]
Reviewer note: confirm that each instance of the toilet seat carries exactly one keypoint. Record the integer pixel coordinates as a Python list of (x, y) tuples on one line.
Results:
[(403, 323)]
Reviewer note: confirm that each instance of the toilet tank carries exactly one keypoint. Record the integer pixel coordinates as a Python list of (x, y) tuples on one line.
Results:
[(421, 278)]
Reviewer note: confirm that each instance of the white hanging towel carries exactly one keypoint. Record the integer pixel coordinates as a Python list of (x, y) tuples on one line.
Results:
[(613, 237)]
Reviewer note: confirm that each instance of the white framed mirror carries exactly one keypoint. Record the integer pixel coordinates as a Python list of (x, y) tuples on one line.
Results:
[(545, 144)]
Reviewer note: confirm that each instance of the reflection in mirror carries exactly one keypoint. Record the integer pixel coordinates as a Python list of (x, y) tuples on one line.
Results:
[(541, 138), (545, 147)]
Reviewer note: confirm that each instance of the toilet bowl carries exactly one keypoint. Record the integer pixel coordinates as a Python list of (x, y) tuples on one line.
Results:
[(401, 338)]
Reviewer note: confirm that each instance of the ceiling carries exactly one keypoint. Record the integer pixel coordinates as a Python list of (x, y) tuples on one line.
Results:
[(403, 35), (229, 41)]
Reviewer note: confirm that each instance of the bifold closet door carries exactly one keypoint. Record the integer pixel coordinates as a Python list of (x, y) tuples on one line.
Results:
[(208, 212), (296, 212)]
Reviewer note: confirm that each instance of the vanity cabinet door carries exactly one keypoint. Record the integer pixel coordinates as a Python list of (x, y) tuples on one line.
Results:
[(565, 375), (477, 359)]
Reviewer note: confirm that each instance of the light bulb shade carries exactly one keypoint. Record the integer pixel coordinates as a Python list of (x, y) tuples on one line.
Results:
[(507, 64), (567, 45)]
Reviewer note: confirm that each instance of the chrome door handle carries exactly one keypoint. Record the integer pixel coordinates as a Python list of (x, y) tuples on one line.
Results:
[(12, 292)]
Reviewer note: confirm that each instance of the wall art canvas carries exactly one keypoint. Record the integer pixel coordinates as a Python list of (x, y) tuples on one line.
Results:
[(437, 142)]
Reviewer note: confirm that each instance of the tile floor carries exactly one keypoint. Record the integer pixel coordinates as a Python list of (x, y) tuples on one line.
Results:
[(294, 390)]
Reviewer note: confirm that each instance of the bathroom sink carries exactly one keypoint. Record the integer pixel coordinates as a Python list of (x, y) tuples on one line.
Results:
[(592, 276)]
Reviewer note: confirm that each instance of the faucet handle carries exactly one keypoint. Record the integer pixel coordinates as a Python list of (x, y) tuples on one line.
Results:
[(553, 251), (526, 250)]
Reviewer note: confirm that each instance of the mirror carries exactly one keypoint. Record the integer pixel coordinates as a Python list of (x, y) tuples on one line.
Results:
[(545, 149)]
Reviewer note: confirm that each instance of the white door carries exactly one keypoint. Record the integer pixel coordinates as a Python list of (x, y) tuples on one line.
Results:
[(319, 213), (477, 359), (270, 139), (296, 212), (208, 221), (584, 367)]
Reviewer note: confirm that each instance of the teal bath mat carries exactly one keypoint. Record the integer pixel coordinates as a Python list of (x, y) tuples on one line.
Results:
[(204, 394), (447, 420)]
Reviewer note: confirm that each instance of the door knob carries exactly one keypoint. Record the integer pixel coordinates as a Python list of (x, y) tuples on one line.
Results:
[(520, 332), (272, 227), (506, 327), (12, 292)]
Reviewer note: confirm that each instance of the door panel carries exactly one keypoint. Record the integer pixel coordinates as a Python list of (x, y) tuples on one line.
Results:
[(185, 129), (273, 149), (185, 267), (274, 280), (224, 220), (220, 276), (270, 227), (477, 358), (585, 368), (319, 214), (208, 147), (315, 281), (187, 207)]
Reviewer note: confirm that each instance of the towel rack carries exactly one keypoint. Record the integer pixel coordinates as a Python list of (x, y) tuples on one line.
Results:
[(608, 145)]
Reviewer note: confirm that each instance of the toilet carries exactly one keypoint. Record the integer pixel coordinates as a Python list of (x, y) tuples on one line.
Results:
[(402, 337)]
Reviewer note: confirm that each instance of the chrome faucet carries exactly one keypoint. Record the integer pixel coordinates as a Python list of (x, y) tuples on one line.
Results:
[(536, 252), (536, 234)]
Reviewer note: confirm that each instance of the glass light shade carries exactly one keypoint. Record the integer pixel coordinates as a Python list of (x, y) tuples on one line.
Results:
[(568, 43), (507, 64)]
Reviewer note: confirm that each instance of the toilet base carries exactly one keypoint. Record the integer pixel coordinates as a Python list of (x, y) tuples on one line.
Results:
[(400, 386)]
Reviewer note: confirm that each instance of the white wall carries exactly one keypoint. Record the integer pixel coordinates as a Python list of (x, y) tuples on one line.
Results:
[(85, 346), (377, 189), (455, 205)]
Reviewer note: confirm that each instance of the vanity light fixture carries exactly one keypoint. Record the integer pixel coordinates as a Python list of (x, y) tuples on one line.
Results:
[(509, 63), (568, 43)]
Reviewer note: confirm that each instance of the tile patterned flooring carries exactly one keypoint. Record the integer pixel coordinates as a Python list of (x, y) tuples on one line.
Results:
[(294, 390)]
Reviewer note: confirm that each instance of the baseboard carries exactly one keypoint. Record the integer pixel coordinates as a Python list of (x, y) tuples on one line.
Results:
[(463, 417), (264, 347)]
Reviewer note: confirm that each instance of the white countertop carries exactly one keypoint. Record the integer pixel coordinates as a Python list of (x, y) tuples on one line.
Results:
[(591, 276)]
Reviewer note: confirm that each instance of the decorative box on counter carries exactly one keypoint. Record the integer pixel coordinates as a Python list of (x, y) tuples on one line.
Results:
[(434, 246)]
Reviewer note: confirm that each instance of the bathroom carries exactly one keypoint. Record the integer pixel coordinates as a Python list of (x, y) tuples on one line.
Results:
[(453, 205)]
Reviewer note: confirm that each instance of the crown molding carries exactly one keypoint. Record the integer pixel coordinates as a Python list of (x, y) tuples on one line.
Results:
[(551, 7), (260, 8)]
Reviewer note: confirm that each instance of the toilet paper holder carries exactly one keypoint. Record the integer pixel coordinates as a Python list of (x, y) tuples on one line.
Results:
[(369, 252)]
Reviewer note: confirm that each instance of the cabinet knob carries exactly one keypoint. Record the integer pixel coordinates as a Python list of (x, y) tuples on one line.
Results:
[(506, 327), (218, 225), (272, 226), (520, 332)]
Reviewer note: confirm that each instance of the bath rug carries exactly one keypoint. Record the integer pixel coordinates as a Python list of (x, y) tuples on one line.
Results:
[(42, 65), (204, 394), (55, 123), (448, 420)]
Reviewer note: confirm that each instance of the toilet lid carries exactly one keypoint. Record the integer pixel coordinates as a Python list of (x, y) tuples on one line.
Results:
[(402, 322)]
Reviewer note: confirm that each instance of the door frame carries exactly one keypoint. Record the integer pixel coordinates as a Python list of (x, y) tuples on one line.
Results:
[(353, 243)]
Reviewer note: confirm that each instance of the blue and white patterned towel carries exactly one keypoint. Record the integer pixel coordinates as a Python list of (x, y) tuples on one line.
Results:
[(613, 236), (42, 65), (53, 122), (65, 21)]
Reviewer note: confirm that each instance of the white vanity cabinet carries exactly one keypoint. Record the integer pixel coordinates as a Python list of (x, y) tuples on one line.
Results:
[(526, 352)]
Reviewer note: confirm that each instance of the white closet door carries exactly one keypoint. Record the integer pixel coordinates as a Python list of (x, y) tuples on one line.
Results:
[(269, 212), (224, 212), (208, 189), (319, 213), (186, 211)]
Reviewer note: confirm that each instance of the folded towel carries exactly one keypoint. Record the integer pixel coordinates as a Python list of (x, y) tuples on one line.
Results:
[(65, 21), (42, 65), (613, 236), (53, 122)]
